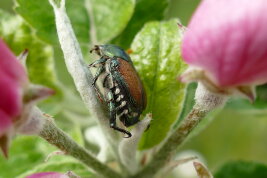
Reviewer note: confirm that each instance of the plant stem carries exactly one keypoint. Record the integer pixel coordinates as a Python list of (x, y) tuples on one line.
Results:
[(128, 147), (61, 140), (79, 71), (163, 156), (205, 102)]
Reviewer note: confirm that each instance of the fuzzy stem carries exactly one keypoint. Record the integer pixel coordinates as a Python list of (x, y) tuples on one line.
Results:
[(205, 102), (128, 147), (61, 140), (79, 71)]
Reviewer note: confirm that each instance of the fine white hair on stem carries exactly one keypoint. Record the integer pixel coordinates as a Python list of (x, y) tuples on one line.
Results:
[(128, 147), (207, 100), (57, 137), (78, 69), (34, 123)]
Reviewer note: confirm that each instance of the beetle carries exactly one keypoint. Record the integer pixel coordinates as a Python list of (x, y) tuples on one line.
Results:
[(122, 88)]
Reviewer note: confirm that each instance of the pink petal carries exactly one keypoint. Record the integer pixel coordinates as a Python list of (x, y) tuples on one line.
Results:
[(13, 77), (228, 39), (48, 175), (10, 65), (11, 96)]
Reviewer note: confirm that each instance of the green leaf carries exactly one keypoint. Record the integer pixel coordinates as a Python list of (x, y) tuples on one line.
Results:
[(145, 10), (25, 152), (242, 169), (156, 55), (39, 14), (111, 17), (40, 64), (27, 155)]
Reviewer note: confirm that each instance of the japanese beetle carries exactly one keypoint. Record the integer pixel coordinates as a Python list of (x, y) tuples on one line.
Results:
[(123, 91)]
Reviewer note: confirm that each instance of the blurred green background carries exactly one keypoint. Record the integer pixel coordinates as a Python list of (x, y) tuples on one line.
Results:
[(238, 132)]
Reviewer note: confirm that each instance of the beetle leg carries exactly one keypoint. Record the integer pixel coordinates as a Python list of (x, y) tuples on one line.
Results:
[(113, 125), (112, 120), (124, 112), (99, 71), (98, 62), (123, 103)]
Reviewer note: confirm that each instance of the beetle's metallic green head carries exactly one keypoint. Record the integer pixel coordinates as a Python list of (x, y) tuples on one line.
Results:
[(109, 50)]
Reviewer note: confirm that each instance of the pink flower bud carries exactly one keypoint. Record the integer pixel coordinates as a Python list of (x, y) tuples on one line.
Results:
[(227, 39), (48, 175), (17, 99), (12, 80)]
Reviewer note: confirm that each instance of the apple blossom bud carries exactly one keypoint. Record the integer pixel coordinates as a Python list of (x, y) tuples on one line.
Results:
[(226, 43), (12, 81), (17, 99)]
